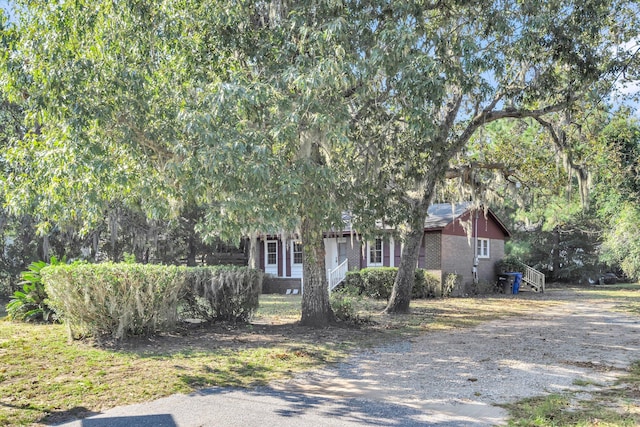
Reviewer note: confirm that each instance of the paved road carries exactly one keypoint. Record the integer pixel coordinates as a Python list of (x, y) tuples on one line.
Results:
[(265, 407)]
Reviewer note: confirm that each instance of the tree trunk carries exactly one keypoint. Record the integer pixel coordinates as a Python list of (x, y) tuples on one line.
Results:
[(253, 250), (555, 253), (95, 245), (405, 279), (192, 249), (114, 219), (316, 310), (46, 248)]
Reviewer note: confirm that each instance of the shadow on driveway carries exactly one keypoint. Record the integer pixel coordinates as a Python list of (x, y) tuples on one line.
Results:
[(264, 406), (162, 420)]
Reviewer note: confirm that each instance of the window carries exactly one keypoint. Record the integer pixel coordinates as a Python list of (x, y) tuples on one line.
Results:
[(375, 253), (272, 253), (297, 252), (342, 252), (482, 250)]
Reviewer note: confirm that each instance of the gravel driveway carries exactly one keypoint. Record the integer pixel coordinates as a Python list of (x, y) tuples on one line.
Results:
[(457, 376), (448, 378)]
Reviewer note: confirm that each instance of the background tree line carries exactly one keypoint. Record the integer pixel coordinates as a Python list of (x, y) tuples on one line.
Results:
[(124, 233), (572, 213)]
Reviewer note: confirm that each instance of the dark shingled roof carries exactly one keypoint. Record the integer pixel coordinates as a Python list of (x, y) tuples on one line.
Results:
[(441, 215)]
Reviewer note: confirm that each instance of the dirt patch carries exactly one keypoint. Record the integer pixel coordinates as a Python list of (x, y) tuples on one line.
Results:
[(229, 337)]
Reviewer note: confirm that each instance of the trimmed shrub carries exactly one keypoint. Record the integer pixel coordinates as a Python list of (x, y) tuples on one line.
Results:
[(377, 282), (115, 299), (135, 299), (353, 280), (426, 285), (225, 293)]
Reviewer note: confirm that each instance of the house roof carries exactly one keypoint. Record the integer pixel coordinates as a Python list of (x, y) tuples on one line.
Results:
[(442, 214), (439, 216)]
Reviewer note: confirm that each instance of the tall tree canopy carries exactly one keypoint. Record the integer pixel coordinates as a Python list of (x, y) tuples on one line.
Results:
[(234, 107), (564, 184), (277, 115), (438, 72)]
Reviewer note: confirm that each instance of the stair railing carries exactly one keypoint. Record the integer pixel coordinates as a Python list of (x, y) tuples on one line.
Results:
[(338, 274), (534, 278)]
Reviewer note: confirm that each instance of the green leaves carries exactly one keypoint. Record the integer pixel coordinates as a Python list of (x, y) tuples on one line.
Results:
[(133, 299), (208, 103), (32, 304), (621, 245)]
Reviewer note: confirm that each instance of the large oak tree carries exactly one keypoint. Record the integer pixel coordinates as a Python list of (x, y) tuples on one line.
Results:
[(238, 108), (437, 72)]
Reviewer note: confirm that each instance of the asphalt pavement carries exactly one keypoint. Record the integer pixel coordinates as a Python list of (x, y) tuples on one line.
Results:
[(264, 406)]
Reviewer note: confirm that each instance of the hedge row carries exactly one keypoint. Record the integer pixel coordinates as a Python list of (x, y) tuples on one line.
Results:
[(378, 283), (134, 299)]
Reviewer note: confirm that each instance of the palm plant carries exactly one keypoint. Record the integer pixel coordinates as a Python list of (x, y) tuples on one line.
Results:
[(30, 303)]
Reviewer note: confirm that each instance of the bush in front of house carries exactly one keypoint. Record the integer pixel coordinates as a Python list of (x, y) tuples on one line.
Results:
[(427, 285), (485, 288), (134, 299), (453, 283), (353, 279), (344, 303), (377, 282), (226, 293), (508, 264), (115, 299)]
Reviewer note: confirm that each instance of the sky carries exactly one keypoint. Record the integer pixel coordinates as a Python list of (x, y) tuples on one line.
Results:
[(5, 5)]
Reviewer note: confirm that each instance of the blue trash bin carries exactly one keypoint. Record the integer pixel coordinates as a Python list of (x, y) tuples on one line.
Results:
[(516, 282)]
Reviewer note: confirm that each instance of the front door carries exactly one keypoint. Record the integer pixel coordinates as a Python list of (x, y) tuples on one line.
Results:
[(342, 251)]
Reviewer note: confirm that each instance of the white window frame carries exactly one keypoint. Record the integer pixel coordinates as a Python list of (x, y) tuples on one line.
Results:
[(483, 248), (267, 253), (371, 247), (294, 243)]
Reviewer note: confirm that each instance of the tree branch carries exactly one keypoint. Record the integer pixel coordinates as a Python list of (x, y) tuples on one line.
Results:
[(486, 117), (554, 135), (492, 116), (463, 171)]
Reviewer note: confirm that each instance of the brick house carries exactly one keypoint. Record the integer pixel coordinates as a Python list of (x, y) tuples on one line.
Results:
[(455, 238)]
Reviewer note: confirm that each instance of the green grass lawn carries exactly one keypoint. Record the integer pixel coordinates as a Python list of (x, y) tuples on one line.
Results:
[(45, 378)]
